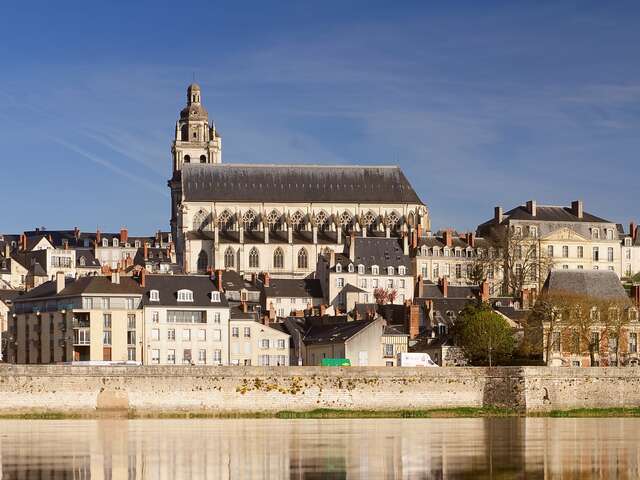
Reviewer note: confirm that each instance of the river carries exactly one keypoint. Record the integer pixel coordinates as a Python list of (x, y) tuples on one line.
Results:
[(474, 448)]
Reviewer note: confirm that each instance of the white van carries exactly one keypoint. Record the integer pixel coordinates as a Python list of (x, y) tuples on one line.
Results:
[(415, 360)]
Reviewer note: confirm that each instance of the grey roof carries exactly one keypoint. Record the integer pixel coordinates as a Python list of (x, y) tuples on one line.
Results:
[(168, 286), (89, 258), (600, 284), (293, 288), (234, 282), (430, 291), (296, 183), (85, 285), (335, 333), (383, 252)]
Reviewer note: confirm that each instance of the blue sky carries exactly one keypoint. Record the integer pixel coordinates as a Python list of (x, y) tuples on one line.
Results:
[(481, 103)]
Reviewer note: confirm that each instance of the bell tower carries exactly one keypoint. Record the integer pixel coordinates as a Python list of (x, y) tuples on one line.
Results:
[(196, 140)]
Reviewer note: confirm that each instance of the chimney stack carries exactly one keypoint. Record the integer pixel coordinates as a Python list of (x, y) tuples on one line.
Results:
[(633, 231), (265, 280), (219, 277), (405, 243), (447, 238), (143, 277), (7, 250), (498, 215), (245, 309), (115, 277), (124, 235), (420, 287), (60, 283), (471, 239), (145, 249), (23, 242), (532, 208), (444, 284), (76, 233), (577, 208), (420, 233), (352, 247), (413, 320), (635, 295), (332, 259)]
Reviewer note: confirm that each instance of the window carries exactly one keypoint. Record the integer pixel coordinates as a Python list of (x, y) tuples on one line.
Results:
[(215, 296), (217, 356), (375, 270), (186, 335), (580, 252), (281, 344), (436, 271), (254, 258), (401, 283), (628, 254), (350, 268), (105, 242), (338, 268), (155, 356), (390, 283), (155, 334), (390, 270), (131, 337), (550, 250), (339, 282), (263, 360), (185, 296), (217, 335), (633, 342), (186, 355), (533, 231), (518, 231), (130, 304), (363, 283), (303, 259), (596, 254), (580, 267), (374, 283), (202, 356), (106, 337), (361, 269), (171, 335), (202, 335), (131, 321), (565, 267), (458, 271), (106, 320), (595, 233), (115, 242), (229, 258), (278, 258), (555, 342), (610, 254), (609, 234), (138, 245), (565, 251), (235, 332), (82, 262), (155, 317), (402, 270), (247, 332), (264, 343), (203, 262), (595, 340), (216, 317), (154, 295), (388, 349), (171, 356)]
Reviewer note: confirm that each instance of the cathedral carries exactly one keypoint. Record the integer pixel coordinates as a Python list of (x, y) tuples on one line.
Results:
[(276, 218)]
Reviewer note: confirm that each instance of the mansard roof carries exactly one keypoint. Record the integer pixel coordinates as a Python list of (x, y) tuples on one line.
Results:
[(600, 284), (296, 183)]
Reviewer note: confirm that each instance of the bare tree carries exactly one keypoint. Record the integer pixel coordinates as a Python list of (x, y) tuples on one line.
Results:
[(615, 315), (545, 319)]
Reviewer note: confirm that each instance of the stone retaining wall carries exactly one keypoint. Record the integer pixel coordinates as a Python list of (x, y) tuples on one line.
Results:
[(227, 390)]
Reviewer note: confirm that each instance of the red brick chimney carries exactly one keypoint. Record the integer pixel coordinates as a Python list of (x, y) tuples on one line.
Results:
[(145, 250), (76, 233), (419, 230), (577, 208), (444, 286), (420, 287), (635, 295), (471, 239), (143, 277), (23, 242), (484, 291), (352, 247), (219, 277), (265, 280), (98, 236), (447, 238), (245, 309), (414, 239), (413, 320), (633, 231), (124, 235), (532, 208)]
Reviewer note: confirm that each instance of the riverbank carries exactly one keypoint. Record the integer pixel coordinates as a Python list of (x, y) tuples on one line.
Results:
[(325, 413), (308, 392)]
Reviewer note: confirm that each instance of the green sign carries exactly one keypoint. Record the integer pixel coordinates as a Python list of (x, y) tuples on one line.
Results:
[(335, 362)]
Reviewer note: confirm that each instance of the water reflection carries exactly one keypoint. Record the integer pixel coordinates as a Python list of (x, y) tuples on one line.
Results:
[(321, 449)]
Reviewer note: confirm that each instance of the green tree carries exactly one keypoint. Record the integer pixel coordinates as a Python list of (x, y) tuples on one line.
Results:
[(485, 336)]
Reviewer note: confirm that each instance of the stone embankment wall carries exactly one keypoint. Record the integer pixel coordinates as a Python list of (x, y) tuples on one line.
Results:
[(229, 390)]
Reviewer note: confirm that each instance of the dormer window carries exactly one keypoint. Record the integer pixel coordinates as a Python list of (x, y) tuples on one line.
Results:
[(390, 270), (627, 242), (215, 296), (185, 296), (350, 268), (137, 244), (105, 242), (609, 234), (402, 270), (115, 242), (424, 251), (154, 295), (86, 242), (595, 233), (446, 252), (361, 269), (338, 268), (82, 262), (533, 232), (375, 270)]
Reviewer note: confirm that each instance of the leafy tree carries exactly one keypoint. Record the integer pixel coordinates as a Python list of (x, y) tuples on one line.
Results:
[(484, 336)]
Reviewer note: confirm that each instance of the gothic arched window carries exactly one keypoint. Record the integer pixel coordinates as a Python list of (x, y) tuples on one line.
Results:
[(249, 220), (393, 219), (254, 258), (224, 221), (303, 259), (273, 220), (203, 261), (369, 219), (296, 220), (200, 221), (345, 221), (322, 221), (229, 258), (278, 258)]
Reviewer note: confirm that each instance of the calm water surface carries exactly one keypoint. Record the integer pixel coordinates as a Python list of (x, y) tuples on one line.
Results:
[(321, 449)]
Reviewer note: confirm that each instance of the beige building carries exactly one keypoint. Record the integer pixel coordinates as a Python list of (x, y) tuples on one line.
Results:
[(186, 320), (630, 256), (88, 319), (275, 218), (253, 343)]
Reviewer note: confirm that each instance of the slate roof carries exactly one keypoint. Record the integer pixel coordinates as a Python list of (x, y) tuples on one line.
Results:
[(336, 333), (85, 285), (234, 282), (432, 291), (546, 213), (168, 286), (89, 258), (602, 284), (9, 294), (296, 183), (293, 288), (383, 252)]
